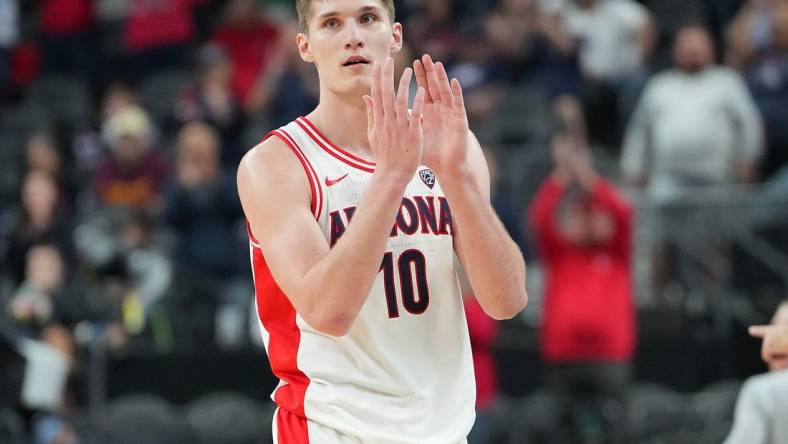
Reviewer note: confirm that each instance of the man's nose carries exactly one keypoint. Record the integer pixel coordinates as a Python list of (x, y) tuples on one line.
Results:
[(354, 40)]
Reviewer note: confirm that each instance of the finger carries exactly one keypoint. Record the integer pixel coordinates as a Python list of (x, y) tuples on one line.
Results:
[(387, 88), (443, 84), (759, 331), (432, 80), (779, 362), (456, 92), (421, 78), (377, 99), (418, 107), (403, 94), (370, 112), (416, 113)]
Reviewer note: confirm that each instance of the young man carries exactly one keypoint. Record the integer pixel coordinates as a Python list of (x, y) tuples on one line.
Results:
[(355, 212)]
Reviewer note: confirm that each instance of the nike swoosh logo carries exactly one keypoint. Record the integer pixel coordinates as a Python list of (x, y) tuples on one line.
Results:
[(330, 182)]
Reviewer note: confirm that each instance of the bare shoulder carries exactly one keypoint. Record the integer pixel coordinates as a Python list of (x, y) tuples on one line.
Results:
[(271, 169)]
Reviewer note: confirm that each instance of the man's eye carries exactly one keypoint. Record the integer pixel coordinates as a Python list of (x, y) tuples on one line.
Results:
[(332, 23), (368, 18)]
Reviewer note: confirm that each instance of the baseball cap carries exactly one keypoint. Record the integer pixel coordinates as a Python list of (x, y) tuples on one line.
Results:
[(131, 121)]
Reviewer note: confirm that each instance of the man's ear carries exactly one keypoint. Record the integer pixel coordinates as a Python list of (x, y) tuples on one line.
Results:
[(302, 41), (396, 43)]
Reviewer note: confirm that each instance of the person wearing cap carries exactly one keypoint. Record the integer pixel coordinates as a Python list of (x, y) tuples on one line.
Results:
[(133, 174)]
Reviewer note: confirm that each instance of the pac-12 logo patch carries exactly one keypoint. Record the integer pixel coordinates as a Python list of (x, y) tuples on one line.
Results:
[(428, 177)]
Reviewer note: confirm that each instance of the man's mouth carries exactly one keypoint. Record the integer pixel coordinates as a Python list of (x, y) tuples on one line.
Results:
[(355, 60)]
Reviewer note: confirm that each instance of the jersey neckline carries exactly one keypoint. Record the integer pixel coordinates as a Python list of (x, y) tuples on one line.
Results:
[(334, 150)]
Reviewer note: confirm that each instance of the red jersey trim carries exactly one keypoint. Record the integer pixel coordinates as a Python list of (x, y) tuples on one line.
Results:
[(290, 429), (252, 239), (278, 317), (314, 182), (333, 150)]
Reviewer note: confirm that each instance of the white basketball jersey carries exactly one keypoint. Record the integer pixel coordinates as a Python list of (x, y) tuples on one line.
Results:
[(403, 373)]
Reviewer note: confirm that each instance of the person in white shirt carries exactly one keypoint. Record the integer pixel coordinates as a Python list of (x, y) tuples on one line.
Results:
[(613, 41), (763, 402), (694, 124)]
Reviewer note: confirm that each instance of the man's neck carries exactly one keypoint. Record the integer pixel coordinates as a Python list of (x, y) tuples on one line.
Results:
[(343, 120)]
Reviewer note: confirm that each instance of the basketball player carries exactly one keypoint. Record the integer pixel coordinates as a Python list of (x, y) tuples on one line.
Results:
[(355, 212)]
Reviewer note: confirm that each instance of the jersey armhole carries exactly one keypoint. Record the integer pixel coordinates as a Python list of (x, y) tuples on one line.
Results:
[(314, 183)]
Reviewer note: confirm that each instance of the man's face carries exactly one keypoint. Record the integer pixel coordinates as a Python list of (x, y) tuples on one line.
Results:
[(693, 50), (344, 38), (129, 150)]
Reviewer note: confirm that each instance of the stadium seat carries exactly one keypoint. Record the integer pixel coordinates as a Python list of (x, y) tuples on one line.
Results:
[(142, 418), (159, 92), (67, 98), (229, 418)]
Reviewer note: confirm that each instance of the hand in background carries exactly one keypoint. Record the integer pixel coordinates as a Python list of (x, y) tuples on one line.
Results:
[(774, 349)]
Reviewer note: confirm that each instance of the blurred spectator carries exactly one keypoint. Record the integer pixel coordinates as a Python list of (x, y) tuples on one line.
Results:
[(42, 155), (763, 401), (251, 43), (211, 100), (68, 37), (135, 173), (584, 231), (42, 305), (291, 87), (117, 97), (751, 31), (614, 40), (527, 49), (483, 331), (32, 306), (9, 33), (149, 268), (203, 210), (435, 30), (696, 124), (158, 33), (39, 220), (767, 77), (51, 429)]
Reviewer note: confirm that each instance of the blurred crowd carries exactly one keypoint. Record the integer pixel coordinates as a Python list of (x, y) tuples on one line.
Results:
[(122, 123)]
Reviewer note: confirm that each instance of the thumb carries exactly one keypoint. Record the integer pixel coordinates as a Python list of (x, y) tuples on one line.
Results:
[(370, 112), (759, 331)]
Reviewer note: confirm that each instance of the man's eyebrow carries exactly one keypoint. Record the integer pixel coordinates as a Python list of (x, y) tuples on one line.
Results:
[(363, 9)]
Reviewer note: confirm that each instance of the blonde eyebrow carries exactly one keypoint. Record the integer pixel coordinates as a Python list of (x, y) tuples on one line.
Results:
[(361, 10)]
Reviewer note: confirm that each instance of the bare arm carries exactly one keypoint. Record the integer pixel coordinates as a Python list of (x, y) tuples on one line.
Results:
[(277, 206), (493, 262)]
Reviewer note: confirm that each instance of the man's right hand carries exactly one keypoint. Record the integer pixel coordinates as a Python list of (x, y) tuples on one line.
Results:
[(395, 136), (775, 344)]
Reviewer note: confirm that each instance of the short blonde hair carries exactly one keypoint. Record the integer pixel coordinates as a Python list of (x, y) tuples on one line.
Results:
[(302, 9)]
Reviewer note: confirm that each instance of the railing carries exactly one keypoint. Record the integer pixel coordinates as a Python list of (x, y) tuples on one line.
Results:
[(709, 229)]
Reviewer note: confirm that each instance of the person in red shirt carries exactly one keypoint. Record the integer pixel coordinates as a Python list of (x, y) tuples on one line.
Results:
[(157, 34), (68, 40), (483, 331), (252, 45), (584, 229)]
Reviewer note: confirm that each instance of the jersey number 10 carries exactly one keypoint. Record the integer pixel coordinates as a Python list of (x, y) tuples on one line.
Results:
[(408, 261)]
